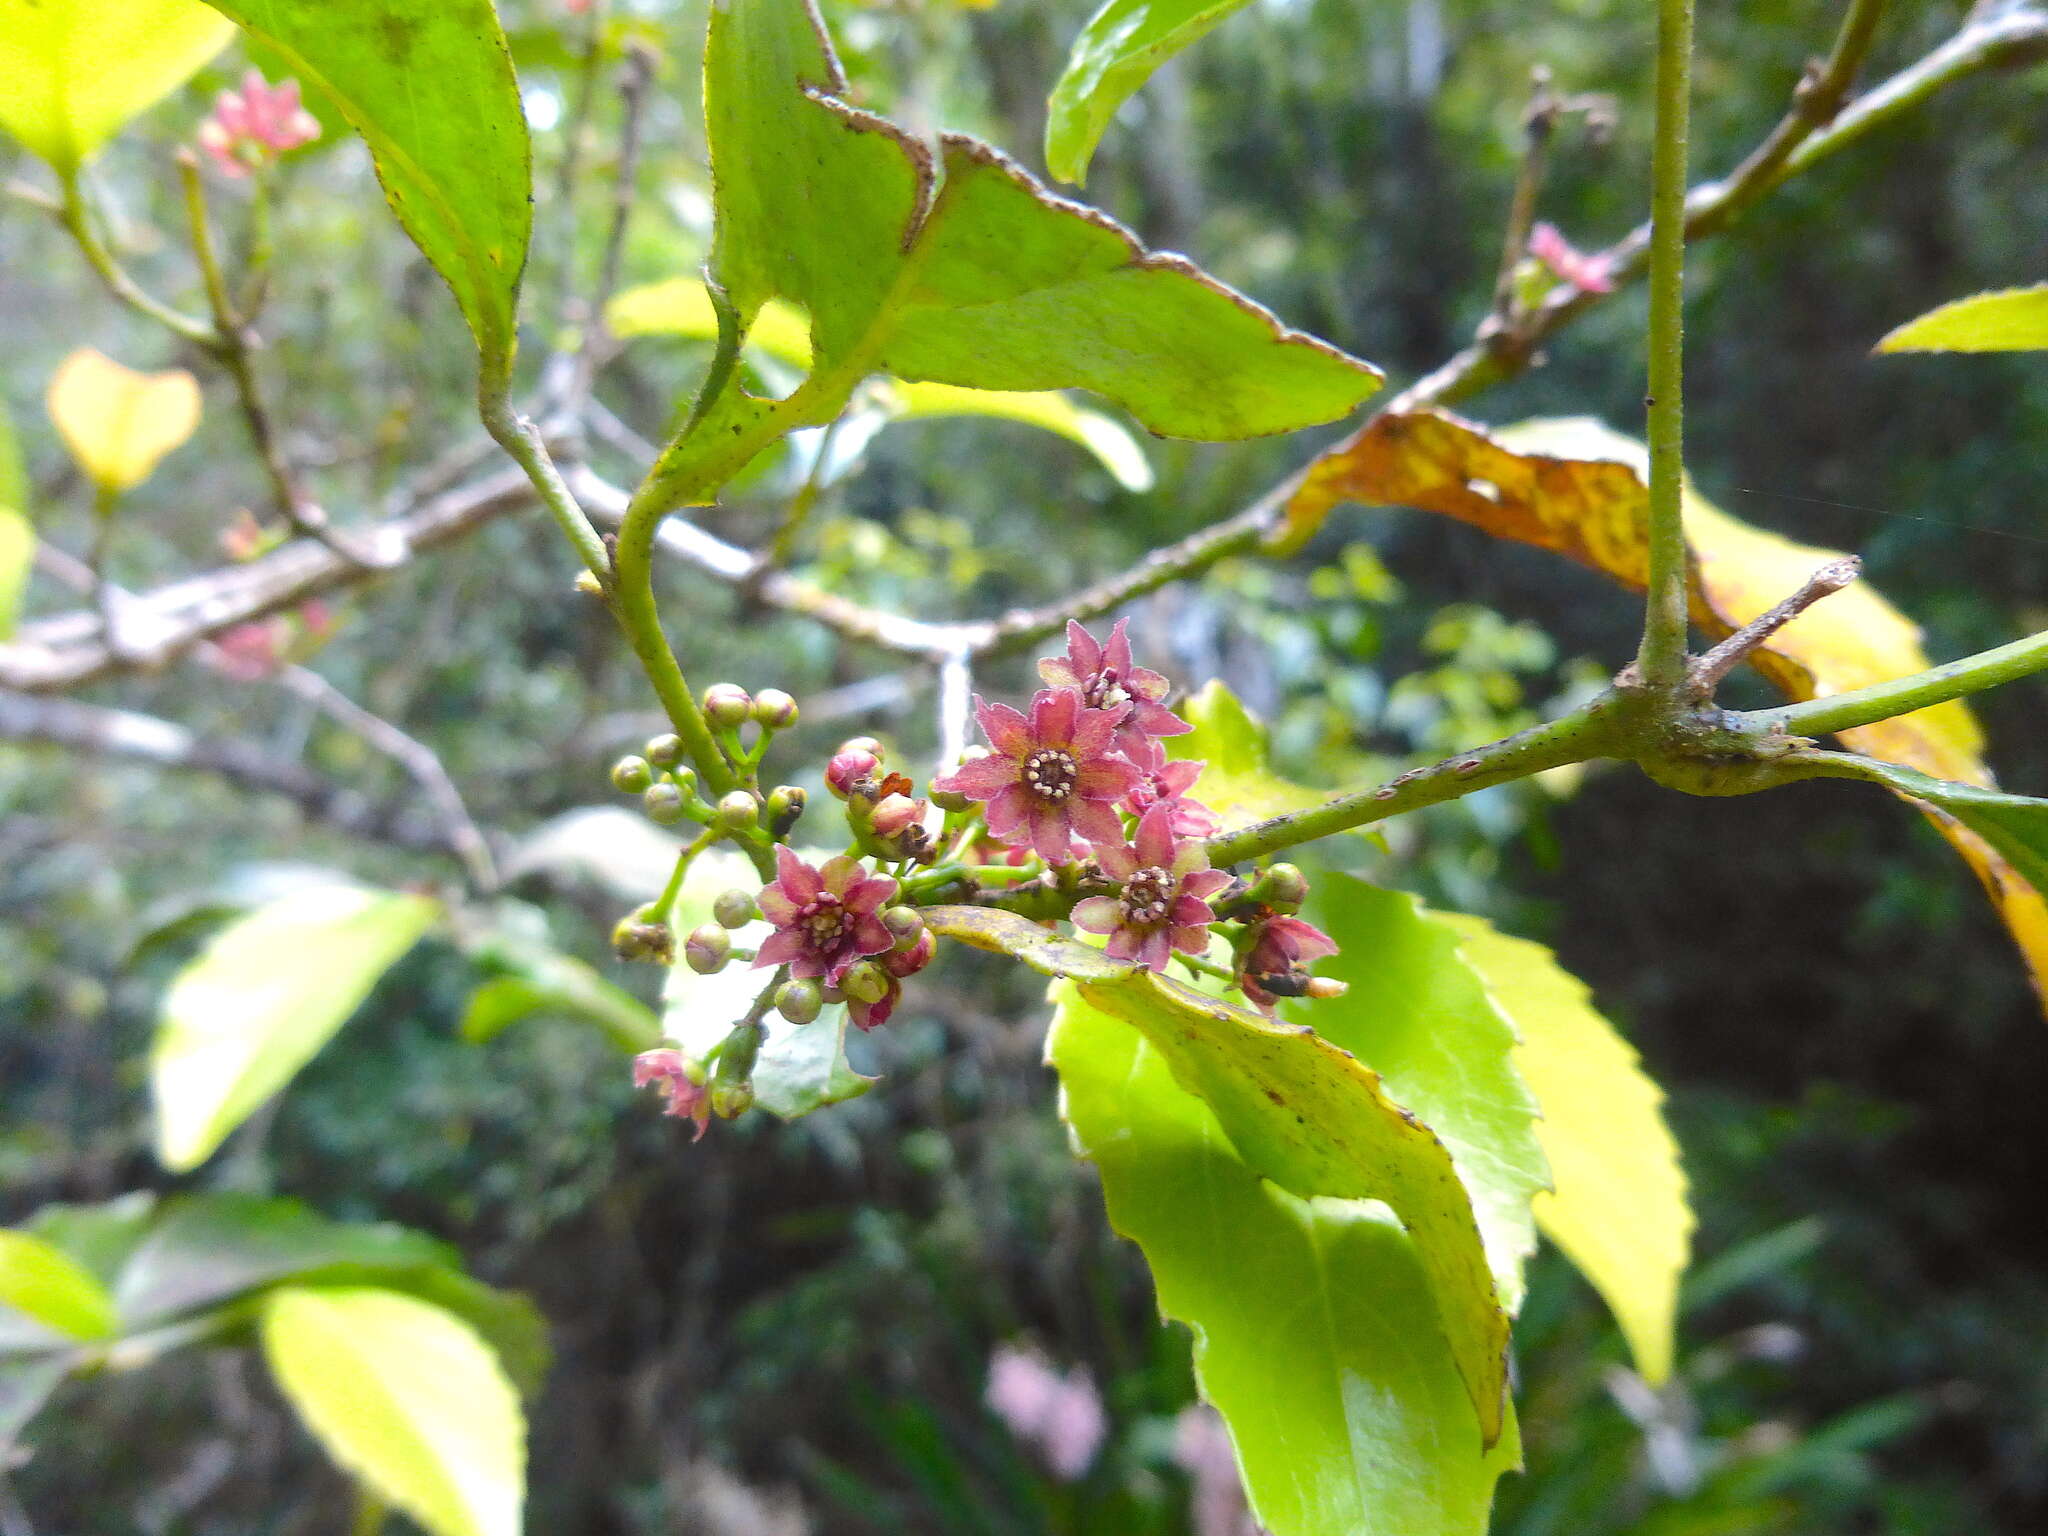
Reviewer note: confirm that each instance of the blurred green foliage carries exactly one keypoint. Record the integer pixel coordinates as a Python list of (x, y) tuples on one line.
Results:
[(1855, 1060)]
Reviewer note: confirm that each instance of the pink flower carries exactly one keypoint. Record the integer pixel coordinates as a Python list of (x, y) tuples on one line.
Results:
[(1548, 245), (1166, 781), (1107, 680), (1050, 778), (1273, 966), (1163, 905), (1059, 1416), (250, 127), (825, 919), (1201, 1445), (687, 1100), (898, 963)]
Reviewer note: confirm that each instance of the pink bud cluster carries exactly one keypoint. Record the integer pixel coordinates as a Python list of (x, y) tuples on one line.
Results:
[(251, 126)]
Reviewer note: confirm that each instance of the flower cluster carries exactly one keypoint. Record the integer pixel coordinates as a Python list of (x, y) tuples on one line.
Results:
[(250, 127)]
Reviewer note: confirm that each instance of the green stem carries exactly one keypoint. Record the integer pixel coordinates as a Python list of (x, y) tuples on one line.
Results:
[(77, 218), (1661, 659), (1901, 696)]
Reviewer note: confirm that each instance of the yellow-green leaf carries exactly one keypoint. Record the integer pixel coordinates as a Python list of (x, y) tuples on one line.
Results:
[(2015, 320), (118, 423), (261, 999), (1618, 1204), (17, 533), (72, 72), (45, 1283), (1316, 1331), (406, 1397), (681, 306), (1230, 742)]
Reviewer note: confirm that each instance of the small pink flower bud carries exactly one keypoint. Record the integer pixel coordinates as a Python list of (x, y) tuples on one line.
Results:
[(847, 768), (866, 744), (893, 813), (908, 962), (728, 704), (707, 949), (774, 710)]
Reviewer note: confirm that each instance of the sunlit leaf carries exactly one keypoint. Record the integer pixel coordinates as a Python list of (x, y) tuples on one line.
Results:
[(1421, 1016), (1117, 51), (42, 1282), (72, 72), (1316, 1333), (1577, 488), (681, 306), (551, 983), (118, 423), (2015, 320), (261, 999), (1231, 745), (405, 1396), (429, 86), (1302, 1112), (1618, 1207), (984, 280), (17, 533)]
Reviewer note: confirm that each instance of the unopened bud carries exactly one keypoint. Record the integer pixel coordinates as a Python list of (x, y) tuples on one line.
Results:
[(1282, 887), (663, 803), (731, 1100), (785, 808), (707, 949), (799, 1001), (632, 775), (908, 962), (866, 744), (847, 768), (636, 939), (905, 925), (734, 909), (774, 710), (664, 751), (865, 981), (738, 811), (1325, 986), (893, 813), (728, 704)]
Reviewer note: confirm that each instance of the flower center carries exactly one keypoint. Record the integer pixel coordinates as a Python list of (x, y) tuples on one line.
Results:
[(824, 920), (1148, 897), (1105, 690), (1050, 774)]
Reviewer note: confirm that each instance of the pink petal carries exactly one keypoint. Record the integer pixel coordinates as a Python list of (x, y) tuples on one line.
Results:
[(1106, 779), (776, 907), (1191, 912), (1179, 776), (1144, 683), (1123, 944), (1094, 820), (1058, 672), (1155, 842), (1052, 715), (799, 882), (1010, 810), (870, 895), (1117, 859), (839, 873), (1191, 938), (1116, 652), (1092, 732), (1082, 651), (1098, 914), (1050, 837), (1156, 950), (1157, 720), (871, 937), (1204, 883), (780, 948), (982, 778), (1007, 731), (1305, 939)]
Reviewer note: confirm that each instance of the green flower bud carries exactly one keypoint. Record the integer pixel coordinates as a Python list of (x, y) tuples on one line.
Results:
[(707, 949), (774, 710), (731, 1100), (632, 775), (785, 808), (1282, 887), (665, 751), (738, 811), (663, 803), (799, 1001), (728, 704), (634, 938), (905, 925), (865, 981), (734, 909)]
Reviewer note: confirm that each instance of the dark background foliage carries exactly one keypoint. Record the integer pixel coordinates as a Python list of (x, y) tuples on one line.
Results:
[(1855, 1060)]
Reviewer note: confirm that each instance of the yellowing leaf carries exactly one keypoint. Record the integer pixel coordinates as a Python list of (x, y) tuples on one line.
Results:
[(406, 1397), (44, 1282), (72, 72), (118, 423), (1617, 1205), (2015, 320), (681, 306), (1576, 488), (261, 999)]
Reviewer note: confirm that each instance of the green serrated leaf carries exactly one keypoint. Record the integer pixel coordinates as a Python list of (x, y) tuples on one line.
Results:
[(1231, 744), (73, 72), (17, 533), (406, 1397), (429, 85), (985, 280), (1117, 51), (261, 999), (1316, 1332), (43, 1282), (1421, 1015), (1618, 1207), (2014, 320)]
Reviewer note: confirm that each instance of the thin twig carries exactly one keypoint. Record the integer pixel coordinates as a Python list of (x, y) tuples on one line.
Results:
[(1710, 669), (634, 78), (1539, 121)]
